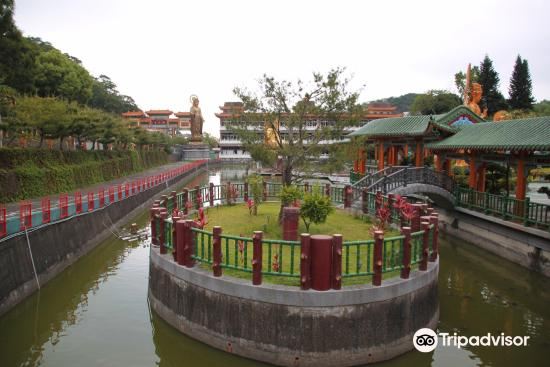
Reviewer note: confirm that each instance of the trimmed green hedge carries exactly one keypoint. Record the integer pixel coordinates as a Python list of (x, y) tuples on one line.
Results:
[(30, 173)]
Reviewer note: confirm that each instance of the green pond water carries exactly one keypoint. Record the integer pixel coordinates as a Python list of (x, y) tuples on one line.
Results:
[(96, 314)]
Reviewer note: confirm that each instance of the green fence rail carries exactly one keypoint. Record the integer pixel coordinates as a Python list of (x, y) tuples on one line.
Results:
[(504, 207)]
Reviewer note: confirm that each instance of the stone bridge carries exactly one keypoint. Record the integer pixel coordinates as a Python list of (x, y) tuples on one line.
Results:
[(407, 180)]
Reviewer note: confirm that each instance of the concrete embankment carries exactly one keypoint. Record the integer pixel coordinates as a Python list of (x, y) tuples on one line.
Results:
[(57, 245), (524, 246), (287, 326)]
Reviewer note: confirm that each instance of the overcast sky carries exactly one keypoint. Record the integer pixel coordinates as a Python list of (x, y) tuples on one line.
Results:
[(160, 52)]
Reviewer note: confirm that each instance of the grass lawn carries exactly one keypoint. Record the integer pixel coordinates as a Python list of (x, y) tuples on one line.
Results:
[(281, 258)]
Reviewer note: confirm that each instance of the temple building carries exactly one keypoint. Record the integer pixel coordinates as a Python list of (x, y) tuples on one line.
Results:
[(232, 147), (457, 136), (164, 121)]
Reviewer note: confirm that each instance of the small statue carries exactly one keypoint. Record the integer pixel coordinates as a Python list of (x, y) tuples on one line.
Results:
[(476, 93), (196, 120)]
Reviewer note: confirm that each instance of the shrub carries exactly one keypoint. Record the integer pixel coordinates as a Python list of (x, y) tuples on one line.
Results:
[(315, 207)]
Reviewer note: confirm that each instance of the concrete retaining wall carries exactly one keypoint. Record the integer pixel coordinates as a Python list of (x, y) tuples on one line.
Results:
[(58, 245), (289, 327), (521, 245)]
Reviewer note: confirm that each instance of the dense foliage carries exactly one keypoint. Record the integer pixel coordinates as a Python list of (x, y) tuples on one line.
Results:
[(435, 102), (520, 90)]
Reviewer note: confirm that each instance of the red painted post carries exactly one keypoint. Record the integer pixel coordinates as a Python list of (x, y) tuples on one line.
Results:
[(291, 218), (78, 202), (305, 261), (415, 221), (126, 190), (119, 193), (25, 215), (347, 196), (91, 201), (377, 257), (245, 192), (327, 190), (3, 223), (111, 195), (257, 258), (162, 228), (101, 195), (217, 249), (406, 270), (180, 235), (425, 245), (197, 194), (46, 210), (264, 191), (189, 247), (211, 193), (434, 219), (185, 201), (175, 238), (337, 241), (321, 256), (63, 206)]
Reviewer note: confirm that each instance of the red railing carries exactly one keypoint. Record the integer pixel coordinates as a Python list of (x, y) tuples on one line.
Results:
[(46, 212), (3, 223), (25, 215), (63, 206), (78, 202)]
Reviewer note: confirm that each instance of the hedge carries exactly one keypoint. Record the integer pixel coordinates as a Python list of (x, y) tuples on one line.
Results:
[(30, 173)]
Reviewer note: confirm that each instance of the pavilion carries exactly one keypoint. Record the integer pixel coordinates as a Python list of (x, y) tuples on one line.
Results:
[(460, 135)]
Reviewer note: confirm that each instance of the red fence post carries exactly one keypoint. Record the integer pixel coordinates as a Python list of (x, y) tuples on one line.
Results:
[(211, 193), (305, 261), (180, 236), (3, 222), (425, 245), (321, 255), (101, 195), (78, 202), (189, 247), (257, 258), (111, 195), (154, 212), (185, 201), (126, 190), (25, 215), (434, 219), (175, 238), (119, 192), (63, 206), (347, 196), (337, 241), (406, 270), (377, 257), (46, 210), (217, 249), (162, 229), (91, 201), (415, 221)]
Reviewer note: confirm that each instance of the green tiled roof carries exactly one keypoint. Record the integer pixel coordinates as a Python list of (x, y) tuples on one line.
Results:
[(395, 126), (522, 134), (415, 125)]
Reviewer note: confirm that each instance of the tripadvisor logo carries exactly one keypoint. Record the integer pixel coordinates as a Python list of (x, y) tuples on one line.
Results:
[(425, 340)]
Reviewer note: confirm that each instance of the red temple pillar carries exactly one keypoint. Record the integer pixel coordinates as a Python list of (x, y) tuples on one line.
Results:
[(419, 156), (472, 182), (521, 182), (380, 155), (438, 163), (481, 177), (448, 167)]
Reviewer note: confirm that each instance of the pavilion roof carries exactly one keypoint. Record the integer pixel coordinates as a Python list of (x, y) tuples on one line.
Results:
[(516, 135), (415, 125)]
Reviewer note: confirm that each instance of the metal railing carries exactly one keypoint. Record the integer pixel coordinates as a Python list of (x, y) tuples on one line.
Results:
[(504, 207)]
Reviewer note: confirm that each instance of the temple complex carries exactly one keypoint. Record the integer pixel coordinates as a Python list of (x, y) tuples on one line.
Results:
[(164, 121)]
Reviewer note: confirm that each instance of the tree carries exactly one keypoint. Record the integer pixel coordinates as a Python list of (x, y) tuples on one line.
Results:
[(489, 80), (403, 102), (106, 97), (296, 120), (542, 108), (210, 140), (435, 102), (520, 90)]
